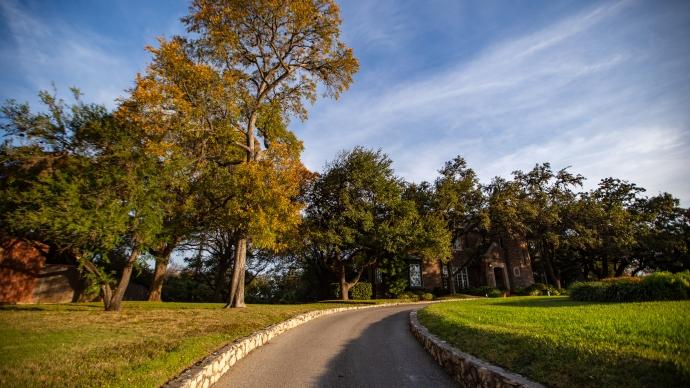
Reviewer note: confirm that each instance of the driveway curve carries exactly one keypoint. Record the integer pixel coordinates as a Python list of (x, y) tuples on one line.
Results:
[(359, 348)]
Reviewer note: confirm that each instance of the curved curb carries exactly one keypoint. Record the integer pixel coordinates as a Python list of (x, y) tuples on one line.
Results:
[(467, 370), (209, 370)]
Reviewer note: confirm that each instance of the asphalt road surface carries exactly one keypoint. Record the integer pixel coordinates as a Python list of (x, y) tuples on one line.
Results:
[(361, 348)]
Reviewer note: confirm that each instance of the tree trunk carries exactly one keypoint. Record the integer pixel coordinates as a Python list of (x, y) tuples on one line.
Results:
[(107, 294), (451, 282), (162, 260), (605, 267), (621, 267), (551, 273), (344, 285), (119, 293), (236, 290)]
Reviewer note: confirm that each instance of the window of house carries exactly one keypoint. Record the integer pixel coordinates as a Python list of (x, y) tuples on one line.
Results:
[(444, 275), (462, 279), (457, 244), (377, 276), (516, 271), (415, 275)]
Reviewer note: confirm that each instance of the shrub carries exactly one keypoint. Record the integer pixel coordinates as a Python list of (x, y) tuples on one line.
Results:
[(538, 289), (481, 291), (361, 291), (657, 286), (427, 296), (495, 293), (407, 295)]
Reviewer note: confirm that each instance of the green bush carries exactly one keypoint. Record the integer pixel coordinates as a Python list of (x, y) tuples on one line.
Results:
[(495, 293), (657, 286), (427, 296), (361, 291), (481, 291), (407, 295), (538, 289)]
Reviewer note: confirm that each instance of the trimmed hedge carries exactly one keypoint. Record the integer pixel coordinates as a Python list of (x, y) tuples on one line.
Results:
[(361, 291), (657, 286)]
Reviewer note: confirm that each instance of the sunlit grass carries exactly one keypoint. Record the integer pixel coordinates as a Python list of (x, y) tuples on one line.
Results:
[(565, 343), (144, 345)]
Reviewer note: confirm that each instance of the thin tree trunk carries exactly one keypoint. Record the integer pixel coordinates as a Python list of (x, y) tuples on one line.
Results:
[(119, 293), (106, 291), (162, 260), (107, 294), (620, 268), (236, 290), (451, 279), (551, 273), (344, 285), (605, 267)]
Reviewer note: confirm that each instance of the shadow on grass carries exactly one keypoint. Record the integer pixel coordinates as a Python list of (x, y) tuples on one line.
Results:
[(542, 302), (563, 364), (50, 307)]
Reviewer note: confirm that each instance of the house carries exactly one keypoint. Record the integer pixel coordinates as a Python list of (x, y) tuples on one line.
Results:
[(502, 263), (30, 274)]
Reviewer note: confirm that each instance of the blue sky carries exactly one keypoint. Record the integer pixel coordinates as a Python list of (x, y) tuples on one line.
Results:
[(603, 87)]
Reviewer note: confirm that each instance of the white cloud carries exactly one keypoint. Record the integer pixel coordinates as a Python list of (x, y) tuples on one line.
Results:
[(54, 52), (580, 92)]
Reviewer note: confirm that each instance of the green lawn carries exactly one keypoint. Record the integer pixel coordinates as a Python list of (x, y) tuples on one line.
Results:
[(144, 345), (564, 343)]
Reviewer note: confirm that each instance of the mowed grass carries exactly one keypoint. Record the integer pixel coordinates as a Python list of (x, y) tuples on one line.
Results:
[(564, 343), (144, 345)]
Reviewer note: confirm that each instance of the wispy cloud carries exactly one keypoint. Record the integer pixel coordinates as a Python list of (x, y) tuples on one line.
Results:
[(45, 52), (590, 91)]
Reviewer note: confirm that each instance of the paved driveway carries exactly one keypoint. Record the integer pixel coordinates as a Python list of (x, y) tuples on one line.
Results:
[(361, 348)]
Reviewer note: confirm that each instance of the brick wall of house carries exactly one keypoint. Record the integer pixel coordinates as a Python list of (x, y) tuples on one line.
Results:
[(26, 278), (20, 263), (518, 260), (432, 275)]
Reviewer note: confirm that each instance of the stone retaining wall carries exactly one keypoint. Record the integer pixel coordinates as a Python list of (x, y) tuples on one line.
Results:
[(466, 369), (209, 370)]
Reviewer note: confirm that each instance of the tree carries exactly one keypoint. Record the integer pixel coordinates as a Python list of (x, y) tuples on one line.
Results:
[(459, 201), (663, 240), (618, 209), (547, 195), (357, 216), (256, 62), (75, 178)]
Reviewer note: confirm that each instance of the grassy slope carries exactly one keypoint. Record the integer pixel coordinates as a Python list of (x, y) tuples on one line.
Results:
[(566, 343), (144, 345)]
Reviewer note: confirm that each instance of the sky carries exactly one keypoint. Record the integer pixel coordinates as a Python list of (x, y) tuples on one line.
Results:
[(602, 87)]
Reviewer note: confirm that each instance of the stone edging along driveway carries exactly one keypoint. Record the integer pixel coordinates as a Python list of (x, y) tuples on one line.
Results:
[(209, 370), (466, 369)]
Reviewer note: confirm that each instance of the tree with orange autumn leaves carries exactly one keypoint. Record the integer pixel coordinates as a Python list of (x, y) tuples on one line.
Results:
[(215, 109)]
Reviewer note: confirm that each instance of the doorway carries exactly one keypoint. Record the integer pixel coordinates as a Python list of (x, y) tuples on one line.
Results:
[(500, 278)]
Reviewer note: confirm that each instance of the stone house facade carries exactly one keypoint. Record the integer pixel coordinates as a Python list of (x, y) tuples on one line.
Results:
[(503, 263)]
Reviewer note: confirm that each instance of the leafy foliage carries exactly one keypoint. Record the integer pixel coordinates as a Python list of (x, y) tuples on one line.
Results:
[(361, 291), (657, 286)]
